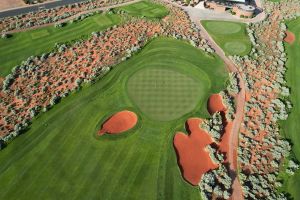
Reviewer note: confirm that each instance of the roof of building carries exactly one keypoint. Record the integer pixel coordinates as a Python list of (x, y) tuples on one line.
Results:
[(246, 7)]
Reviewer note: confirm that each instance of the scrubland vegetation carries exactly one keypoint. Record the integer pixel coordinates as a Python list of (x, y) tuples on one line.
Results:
[(262, 148), (20, 46), (34, 19)]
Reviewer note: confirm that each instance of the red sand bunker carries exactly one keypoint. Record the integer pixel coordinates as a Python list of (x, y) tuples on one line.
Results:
[(290, 37), (119, 122), (215, 104), (193, 159)]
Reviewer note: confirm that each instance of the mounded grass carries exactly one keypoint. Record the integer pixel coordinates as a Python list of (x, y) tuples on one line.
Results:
[(145, 9), (25, 44), (60, 157), (291, 127), (231, 36)]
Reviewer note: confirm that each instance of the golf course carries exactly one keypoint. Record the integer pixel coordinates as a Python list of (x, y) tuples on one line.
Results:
[(19, 46), (62, 157), (291, 126), (231, 36), (22, 45)]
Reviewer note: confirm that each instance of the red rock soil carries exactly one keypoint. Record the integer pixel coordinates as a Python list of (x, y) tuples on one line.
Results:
[(215, 104), (119, 123), (193, 158), (290, 37)]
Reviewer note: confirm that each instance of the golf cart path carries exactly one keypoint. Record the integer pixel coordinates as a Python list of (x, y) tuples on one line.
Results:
[(240, 102)]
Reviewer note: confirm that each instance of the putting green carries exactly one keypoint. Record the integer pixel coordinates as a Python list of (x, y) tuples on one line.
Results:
[(59, 157), (163, 93), (221, 27), (231, 36), (235, 47)]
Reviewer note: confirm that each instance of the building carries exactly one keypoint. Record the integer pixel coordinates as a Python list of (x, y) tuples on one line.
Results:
[(241, 8)]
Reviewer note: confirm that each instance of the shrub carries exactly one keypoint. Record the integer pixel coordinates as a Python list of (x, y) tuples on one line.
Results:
[(2, 144), (233, 86), (4, 36)]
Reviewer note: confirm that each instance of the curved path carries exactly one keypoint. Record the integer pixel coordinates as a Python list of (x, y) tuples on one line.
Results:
[(73, 17), (240, 102)]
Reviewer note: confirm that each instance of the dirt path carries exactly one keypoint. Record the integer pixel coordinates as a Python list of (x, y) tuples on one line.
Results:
[(73, 17), (240, 102)]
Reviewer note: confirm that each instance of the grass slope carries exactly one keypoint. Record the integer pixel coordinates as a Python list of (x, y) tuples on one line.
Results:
[(25, 44), (60, 158), (291, 127), (145, 9), (231, 36)]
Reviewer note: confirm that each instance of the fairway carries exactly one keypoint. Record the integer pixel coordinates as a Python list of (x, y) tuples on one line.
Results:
[(60, 157), (291, 126), (25, 44), (145, 9), (231, 36)]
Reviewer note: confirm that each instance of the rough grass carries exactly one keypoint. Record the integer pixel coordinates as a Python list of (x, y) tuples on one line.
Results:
[(291, 127), (25, 44), (60, 158), (145, 9), (231, 36)]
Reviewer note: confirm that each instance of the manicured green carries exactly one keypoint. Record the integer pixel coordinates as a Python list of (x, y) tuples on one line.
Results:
[(165, 94), (61, 158), (145, 9), (231, 36), (291, 127), (25, 44)]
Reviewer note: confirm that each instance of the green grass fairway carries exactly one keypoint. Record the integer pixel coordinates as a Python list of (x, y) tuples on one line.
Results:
[(146, 9), (231, 36), (25, 44), (60, 157), (291, 127), (165, 94)]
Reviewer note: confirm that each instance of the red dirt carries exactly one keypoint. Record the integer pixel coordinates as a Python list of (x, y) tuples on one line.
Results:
[(290, 37), (119, 122), (215, 104), (193, 159)]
